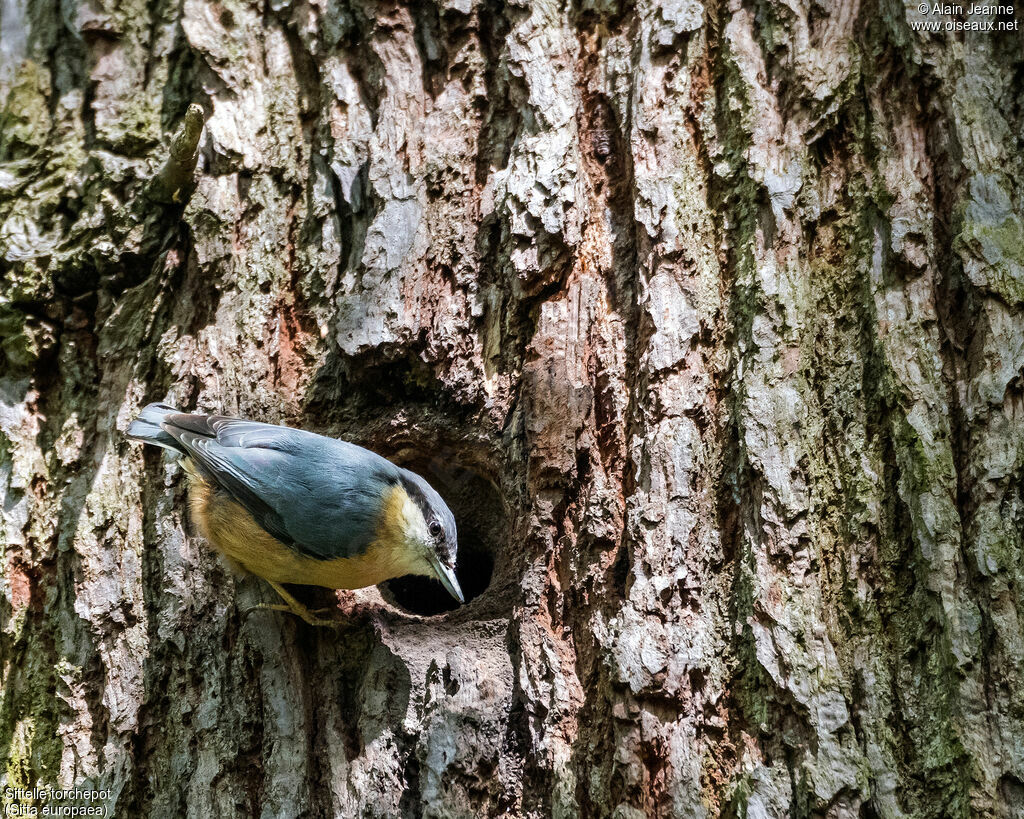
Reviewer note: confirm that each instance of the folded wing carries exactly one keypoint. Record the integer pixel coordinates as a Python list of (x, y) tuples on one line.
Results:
[(318, 495)]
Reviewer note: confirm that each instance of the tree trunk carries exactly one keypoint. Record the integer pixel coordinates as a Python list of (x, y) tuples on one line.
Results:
[(707, 321)]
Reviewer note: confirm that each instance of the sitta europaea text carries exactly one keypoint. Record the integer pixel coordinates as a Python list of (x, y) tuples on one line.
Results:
[(294, 507)]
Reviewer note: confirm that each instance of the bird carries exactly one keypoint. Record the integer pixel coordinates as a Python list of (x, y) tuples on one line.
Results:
[(291, 506)]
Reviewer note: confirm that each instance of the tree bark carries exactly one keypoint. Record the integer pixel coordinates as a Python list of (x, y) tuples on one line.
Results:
[(707, 321)]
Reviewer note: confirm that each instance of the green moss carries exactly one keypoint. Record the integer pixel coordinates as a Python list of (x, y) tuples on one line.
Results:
[(1001, 247), (28, 714), (737, 799), (138, 126), (936, 770), (22, 339), (18, 346), (19, 767), (25, 118), (773, 31)]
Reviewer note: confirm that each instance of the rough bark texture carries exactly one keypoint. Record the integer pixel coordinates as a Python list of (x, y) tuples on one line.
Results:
[(707, 320)]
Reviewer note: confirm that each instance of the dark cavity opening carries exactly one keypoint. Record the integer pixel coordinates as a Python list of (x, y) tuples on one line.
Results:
[(481, 522), (424, 596)]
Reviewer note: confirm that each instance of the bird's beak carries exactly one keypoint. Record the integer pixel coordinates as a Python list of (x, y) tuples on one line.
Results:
[(447, 577)]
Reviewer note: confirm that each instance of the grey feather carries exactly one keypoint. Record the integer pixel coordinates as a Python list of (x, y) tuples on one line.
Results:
[(146, 428)]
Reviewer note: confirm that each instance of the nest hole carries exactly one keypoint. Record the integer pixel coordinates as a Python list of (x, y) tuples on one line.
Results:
[(427, 597), (481, 520)]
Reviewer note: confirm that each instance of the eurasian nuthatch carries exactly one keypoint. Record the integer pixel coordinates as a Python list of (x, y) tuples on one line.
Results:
[(294, 507)]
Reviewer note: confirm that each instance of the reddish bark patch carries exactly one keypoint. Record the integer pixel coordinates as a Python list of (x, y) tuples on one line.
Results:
[(296, 332), (722, 758), (21, 585), (291, 338)]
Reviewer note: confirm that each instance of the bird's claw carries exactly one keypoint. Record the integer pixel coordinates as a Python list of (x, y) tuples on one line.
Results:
[(295, 607), (305, 614)]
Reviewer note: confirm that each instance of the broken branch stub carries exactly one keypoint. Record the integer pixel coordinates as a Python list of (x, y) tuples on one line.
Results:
[(174, 182)]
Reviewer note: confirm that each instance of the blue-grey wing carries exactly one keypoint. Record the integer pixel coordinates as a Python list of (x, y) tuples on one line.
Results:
[(319, 495)]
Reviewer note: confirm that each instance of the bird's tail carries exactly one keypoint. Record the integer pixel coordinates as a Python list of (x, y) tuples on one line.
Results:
[(146, 428)]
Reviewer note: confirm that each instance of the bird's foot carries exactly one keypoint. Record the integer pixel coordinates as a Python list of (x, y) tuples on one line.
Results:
[(295, 607), (308, 615)]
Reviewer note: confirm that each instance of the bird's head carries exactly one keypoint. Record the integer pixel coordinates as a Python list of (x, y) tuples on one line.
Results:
[(429, 533)]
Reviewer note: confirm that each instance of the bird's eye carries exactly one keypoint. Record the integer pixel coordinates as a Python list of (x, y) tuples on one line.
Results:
[(434, 527)]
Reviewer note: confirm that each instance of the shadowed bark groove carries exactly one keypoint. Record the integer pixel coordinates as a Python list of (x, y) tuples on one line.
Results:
[(705, 319)]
